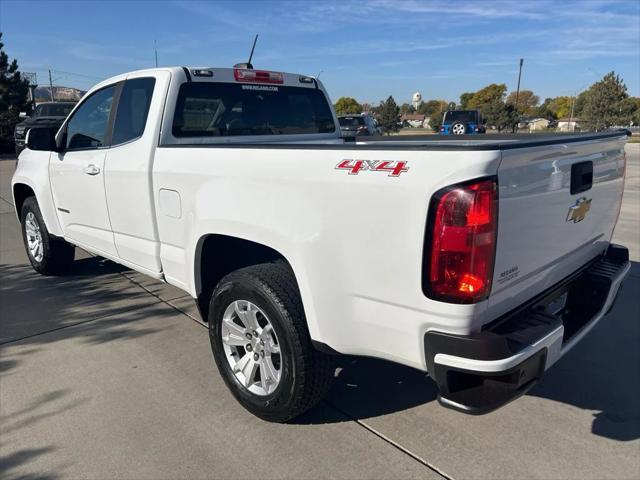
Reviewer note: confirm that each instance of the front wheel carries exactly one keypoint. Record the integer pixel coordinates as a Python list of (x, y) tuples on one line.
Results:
[(262, 346), (47, 254)]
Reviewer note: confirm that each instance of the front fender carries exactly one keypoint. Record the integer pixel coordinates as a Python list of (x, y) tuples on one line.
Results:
[(32, 170)]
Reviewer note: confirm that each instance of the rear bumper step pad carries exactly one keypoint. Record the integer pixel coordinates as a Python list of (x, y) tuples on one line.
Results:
[(479, 373)]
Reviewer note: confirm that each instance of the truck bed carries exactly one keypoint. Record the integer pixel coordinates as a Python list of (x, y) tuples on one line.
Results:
[(416, 142), (480, 142)]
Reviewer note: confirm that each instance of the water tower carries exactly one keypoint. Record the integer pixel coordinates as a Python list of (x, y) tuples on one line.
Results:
[(416, 100)]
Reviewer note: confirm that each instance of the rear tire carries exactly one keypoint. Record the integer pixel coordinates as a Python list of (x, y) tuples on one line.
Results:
[(48, 255), (267, 295)]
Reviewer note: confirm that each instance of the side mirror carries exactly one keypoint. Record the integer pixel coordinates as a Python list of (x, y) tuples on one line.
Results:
[(22, 115), (42, 139)]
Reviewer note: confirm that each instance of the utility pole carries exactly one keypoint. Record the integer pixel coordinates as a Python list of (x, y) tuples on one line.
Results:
[(51, 87), (517, 95), (571, 124), (155, 47)]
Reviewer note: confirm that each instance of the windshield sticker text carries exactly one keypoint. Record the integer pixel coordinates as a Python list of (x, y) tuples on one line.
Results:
[(260, 87)]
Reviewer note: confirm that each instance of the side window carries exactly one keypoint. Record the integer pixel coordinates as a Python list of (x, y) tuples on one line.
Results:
[(88, 126), (133, 108)]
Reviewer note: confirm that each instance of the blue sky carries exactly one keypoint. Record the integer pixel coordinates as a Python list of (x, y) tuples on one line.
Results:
[(366, 49)]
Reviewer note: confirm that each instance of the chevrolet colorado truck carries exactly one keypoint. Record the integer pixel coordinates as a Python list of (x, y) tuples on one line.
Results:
[(479, 261)]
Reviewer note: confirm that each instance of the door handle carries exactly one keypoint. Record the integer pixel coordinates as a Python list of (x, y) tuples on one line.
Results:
[(581, 177), (91, 170)]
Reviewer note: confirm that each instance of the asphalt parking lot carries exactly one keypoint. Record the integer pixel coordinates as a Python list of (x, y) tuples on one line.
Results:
[(105, 373)]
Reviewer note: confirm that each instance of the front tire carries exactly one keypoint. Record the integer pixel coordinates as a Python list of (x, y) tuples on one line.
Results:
[(48, 255), (262, 346)]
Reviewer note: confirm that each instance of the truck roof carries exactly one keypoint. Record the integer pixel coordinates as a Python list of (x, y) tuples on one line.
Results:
[(218, 74)]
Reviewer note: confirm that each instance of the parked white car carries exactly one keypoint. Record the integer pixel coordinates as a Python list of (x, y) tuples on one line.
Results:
[(478, 261)]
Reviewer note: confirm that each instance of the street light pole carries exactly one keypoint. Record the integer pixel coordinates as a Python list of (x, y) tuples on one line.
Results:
[(518, 94)]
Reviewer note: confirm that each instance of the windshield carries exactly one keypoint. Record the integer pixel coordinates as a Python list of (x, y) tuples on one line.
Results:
[(53, 110), (226, 109), (351, 121), (461, 116)]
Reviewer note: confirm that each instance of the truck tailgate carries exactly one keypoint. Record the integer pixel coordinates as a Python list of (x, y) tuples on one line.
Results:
[(558, 205)]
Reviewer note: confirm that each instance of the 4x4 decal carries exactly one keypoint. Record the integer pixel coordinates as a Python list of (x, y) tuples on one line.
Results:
[(393, 167)]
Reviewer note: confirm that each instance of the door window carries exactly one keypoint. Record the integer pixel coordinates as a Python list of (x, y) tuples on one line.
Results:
[(133, 108), (88, 126)]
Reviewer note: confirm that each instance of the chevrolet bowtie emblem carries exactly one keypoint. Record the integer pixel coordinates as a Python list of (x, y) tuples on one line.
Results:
[(578, 211)]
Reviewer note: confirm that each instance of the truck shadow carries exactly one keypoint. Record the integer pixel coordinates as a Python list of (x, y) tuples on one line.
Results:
[(601, 374), (99, 304)]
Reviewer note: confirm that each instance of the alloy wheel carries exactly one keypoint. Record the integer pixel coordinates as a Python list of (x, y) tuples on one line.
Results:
[(251, 347), (34, 237)]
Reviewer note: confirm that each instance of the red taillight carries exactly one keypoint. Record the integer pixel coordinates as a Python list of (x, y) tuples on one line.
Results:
[(462, 239), (257, 76)]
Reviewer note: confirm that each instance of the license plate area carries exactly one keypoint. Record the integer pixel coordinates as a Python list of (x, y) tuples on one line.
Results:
[(556, 306)]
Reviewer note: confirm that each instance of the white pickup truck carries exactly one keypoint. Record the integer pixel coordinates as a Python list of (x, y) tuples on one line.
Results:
[(478, 260)]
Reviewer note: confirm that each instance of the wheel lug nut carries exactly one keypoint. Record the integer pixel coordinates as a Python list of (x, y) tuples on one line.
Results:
[(248, 335), (262, 354), (248, 347), (256, 356)]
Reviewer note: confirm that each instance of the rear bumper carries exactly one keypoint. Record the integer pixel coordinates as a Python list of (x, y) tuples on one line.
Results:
[(477, 374)]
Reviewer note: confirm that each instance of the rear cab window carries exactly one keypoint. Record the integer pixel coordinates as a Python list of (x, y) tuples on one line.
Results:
[(351, 121), (467, 116), (216, 109), (133, 109)]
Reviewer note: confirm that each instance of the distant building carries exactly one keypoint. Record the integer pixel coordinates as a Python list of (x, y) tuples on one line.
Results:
[(533, 124), (414, 120), (569, 124)]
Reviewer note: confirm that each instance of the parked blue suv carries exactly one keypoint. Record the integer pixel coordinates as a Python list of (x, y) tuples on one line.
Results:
[(460, 122)]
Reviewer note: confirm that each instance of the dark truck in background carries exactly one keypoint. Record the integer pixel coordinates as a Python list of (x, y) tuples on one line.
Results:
[(50, 114)]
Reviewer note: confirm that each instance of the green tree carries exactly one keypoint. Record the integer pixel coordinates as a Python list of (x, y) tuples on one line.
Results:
[(606, 103), (635, 116), (347, 106), (435, 121), (563, 106), (546, 109), (580, 102), (527, 101), (500, 115), (487, 95), (432, 107), (407, 108), (389, 116), (14, 92), (465, 98)]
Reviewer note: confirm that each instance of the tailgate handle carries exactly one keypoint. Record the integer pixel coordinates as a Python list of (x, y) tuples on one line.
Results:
[(581, 176)]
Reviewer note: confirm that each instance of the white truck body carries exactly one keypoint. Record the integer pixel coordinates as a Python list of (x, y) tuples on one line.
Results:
[(354, 240)]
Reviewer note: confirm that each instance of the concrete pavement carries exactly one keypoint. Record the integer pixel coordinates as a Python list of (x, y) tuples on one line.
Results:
[(107, 374)]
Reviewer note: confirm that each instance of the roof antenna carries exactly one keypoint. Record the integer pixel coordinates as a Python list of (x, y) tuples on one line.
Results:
[(248, 64)]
